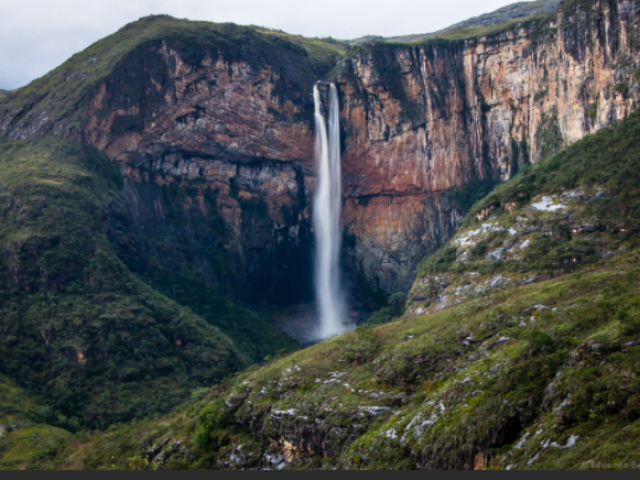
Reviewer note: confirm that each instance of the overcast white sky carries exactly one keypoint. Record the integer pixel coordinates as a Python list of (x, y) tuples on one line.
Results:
[(38, 35)]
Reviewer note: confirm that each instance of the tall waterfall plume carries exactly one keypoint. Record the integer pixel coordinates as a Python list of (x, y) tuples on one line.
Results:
[(326, 220)]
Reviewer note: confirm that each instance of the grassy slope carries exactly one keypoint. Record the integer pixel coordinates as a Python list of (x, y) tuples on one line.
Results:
[(65, 297), (536, 374), (417, 367), (26, 440), (593, 187), (487, 23)]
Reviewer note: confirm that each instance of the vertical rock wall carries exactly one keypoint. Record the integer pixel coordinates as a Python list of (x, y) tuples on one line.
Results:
[(422, 120)]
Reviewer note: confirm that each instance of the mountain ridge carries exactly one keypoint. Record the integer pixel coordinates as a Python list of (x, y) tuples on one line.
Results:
[(503, 16)]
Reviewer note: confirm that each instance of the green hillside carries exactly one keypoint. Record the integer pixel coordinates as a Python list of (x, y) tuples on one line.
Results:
[(26, 440), (80, 331), (576, 209), (488, 22), (522, 358)]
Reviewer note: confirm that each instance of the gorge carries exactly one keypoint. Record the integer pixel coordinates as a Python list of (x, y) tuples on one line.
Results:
[(172, 192)]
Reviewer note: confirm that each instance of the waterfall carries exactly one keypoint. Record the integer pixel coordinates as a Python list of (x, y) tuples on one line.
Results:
[(326, 219)]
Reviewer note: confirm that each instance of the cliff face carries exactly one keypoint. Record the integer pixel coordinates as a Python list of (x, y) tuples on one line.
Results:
[(222, 148), (425, 119), (233, 139)]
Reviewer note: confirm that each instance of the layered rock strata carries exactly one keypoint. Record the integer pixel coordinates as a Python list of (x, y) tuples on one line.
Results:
[(425, 119)]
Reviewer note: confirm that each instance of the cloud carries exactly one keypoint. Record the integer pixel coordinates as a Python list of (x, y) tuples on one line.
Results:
[(38, 35)]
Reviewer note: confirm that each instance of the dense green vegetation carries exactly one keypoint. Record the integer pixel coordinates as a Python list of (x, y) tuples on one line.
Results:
[(250, 331), (476, 190), (179, 255), (393, 310), (440, 394), (80, 331), (27, 437)]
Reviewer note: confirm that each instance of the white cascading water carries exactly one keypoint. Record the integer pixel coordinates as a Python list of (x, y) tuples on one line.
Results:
[(326, 219)]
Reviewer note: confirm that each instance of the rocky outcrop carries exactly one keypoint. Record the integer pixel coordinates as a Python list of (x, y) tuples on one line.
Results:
[(419, 122)]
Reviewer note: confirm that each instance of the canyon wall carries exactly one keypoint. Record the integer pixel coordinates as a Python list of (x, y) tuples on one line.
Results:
[(217, 152), (425, 119)]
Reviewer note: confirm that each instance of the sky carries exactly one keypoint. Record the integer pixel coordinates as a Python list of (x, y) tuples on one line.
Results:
[(38, 35)]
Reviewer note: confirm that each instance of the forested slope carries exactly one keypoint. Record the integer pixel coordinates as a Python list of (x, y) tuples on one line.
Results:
[(79, 330)]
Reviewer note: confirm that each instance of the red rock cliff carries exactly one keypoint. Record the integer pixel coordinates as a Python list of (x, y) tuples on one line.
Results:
[(422, 120)]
